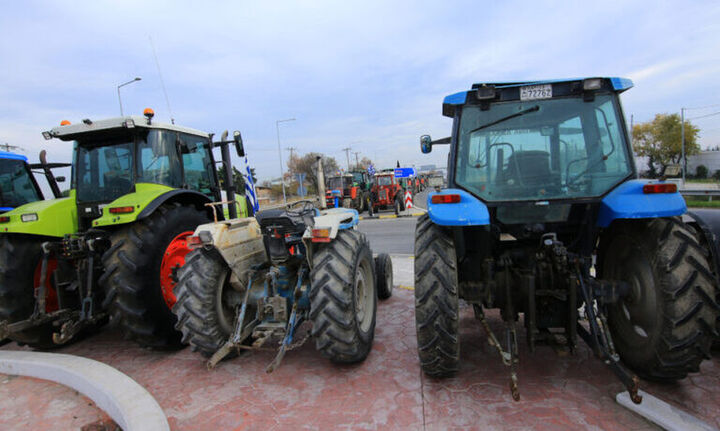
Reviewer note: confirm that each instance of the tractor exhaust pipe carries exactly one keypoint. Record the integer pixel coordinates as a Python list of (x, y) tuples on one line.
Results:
[(321, 183), (47, 171), (229, 184)]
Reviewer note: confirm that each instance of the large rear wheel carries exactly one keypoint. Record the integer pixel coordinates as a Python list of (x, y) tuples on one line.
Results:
[(663, 329), (206, 302), (343, 298), (436, 299), (21, 257), (141, 273)]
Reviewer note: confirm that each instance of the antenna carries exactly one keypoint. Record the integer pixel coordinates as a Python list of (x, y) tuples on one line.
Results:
[(162, 81)]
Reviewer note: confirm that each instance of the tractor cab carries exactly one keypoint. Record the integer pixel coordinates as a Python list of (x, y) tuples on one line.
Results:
[(120, 156), (360, 179), (17, 183)]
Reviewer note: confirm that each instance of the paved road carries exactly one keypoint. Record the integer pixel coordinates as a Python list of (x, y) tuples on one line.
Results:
[(395, 236)]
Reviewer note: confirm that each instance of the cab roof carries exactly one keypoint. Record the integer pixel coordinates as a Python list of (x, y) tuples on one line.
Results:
[(72, 131), (450, 102), (12, 156)]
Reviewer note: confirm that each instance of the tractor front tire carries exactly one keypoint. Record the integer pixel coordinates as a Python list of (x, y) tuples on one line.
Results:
[(20, 255), (665, 327), (396, 206), (384, 273), (132, 275), (203, 318), (436, 299), (343, 298)]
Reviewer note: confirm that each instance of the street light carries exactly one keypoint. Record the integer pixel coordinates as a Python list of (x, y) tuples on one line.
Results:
[(282, 175), (122, 85)]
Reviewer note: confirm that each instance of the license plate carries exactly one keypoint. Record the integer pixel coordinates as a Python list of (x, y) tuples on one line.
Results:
[(533, 92)]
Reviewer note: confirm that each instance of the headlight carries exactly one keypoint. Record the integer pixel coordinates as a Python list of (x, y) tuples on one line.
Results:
[(29, 217)]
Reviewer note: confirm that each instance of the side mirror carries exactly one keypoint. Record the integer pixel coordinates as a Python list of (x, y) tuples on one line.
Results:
[(238, 143), (425, 144), (60, 179)]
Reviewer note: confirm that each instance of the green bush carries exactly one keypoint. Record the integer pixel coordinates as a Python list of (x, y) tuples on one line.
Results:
[(701, 172)]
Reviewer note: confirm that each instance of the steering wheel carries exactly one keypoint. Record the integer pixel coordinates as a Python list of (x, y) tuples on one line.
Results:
[(301, 207)]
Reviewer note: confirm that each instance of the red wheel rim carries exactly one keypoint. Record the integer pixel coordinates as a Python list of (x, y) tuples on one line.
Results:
[(173, 259), (51, 299)]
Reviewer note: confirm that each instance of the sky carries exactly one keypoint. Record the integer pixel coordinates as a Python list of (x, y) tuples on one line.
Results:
[(369, 75)]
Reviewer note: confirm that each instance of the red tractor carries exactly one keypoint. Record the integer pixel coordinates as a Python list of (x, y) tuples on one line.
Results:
[(386, 192), (348, 191)]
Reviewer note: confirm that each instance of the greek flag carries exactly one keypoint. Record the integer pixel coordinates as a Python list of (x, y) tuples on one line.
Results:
[(371, 170), (250, 187)]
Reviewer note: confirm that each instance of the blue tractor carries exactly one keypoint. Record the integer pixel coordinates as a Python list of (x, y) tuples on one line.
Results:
[(543, 217), (17, 183)]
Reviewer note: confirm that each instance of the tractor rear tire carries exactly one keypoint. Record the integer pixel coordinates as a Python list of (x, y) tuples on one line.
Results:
[(665, 327), (132, 275), (436, 299), (20, 255), (204, 319), (397, 206), (343, 298), (384, 272)]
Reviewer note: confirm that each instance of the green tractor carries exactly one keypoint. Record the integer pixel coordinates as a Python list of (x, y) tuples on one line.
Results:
[(111, 250)]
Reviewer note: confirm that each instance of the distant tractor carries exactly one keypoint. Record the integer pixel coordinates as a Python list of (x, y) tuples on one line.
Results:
[(114, 246), (543, 217), (252, 282), (348, 191), (387, 192)]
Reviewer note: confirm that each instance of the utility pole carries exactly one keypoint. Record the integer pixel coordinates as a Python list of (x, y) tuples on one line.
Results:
[(347, 156), (291, 149), (357, 164), (282, 173), (8, 147)]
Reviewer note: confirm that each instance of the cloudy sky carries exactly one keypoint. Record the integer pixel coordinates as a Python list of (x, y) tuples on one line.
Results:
[(369, 75)]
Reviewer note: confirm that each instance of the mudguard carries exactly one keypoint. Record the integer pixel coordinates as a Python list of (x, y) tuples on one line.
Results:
[(335, 219), (239, 242), (53, 217), (470, 211), (627, 201), (145, 200)]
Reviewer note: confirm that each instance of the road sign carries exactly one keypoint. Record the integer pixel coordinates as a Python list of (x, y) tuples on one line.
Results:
[(404, 172)]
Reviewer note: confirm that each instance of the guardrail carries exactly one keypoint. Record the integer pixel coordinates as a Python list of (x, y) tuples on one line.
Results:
[(700, 192)]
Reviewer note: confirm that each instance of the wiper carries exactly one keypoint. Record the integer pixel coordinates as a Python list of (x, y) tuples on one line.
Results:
[(509, 117)]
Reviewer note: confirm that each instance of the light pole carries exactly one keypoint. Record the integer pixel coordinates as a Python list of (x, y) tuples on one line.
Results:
[(282, 179), (118, 89), (682, 143)]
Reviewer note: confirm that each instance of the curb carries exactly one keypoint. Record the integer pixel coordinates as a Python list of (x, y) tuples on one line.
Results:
[(122, 398), (663, 414)]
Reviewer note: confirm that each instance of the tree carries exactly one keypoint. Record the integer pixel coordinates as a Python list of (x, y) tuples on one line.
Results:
[(238, 178), (701, 172), (660, 141), (364, 163), (307, 164)]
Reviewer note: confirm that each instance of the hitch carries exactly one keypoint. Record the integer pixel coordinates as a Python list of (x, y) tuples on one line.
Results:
[(600, 340)]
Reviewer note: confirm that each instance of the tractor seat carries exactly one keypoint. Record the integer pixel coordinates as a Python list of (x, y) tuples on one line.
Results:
[(531, 167), (284, 221)]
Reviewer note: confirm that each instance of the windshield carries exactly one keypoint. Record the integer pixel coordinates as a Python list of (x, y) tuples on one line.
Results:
[(107, 168), (385, 180), (16, 186), (335, 183), (357, 177), (542, 149)]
